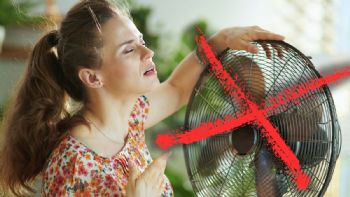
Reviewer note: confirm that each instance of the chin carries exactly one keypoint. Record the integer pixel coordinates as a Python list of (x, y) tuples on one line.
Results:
[(155, 83)]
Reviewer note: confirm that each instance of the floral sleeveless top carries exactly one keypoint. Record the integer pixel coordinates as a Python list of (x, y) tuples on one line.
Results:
[(76, 170)]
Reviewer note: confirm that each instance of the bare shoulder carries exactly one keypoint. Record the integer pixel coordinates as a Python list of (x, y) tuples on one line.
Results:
[(80, 131)]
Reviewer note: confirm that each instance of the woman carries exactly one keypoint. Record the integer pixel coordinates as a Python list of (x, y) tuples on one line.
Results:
[(98, 58)]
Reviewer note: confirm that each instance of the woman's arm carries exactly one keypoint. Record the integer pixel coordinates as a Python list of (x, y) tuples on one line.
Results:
[(175, 92)]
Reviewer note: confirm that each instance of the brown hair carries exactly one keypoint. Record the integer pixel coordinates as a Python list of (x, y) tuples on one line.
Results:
[(37, 119)]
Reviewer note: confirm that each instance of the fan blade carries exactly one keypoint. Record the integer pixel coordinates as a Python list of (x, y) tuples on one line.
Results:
[(303, 135), (250, 78), (265, 176), (243, 140), (210, 153), (296, 126), (313, 150)]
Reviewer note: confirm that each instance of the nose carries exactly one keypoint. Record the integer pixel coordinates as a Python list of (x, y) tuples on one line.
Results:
[(147, 53)]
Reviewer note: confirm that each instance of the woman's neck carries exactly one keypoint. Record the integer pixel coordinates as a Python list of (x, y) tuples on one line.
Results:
[(110, 115)]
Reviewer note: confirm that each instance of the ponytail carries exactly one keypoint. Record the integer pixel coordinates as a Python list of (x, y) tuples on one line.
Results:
[(31, 122), (36, 119)]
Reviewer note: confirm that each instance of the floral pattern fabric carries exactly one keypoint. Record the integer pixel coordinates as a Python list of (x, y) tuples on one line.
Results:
[(76, 170)]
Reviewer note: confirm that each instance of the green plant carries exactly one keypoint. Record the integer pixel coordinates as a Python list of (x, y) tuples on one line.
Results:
[(1, 112), (140, 17), (16, 12), (177, 183)]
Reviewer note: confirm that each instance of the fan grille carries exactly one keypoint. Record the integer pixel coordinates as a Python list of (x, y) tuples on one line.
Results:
[(225, 164)]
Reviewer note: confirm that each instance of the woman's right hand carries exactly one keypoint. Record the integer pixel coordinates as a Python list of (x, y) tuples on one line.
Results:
[(151, 182)]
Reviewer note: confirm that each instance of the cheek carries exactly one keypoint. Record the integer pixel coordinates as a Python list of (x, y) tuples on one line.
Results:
[(123, 76), (116, 69), (120, 73)]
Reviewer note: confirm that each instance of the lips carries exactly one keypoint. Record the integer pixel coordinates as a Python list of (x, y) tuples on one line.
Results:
[(151, 70)]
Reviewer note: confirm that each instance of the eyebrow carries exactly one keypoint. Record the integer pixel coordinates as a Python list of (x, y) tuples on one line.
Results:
[(126, 42), (129, 41)]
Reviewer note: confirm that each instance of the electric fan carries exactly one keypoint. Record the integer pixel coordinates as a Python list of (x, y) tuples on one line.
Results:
[(240, 162)]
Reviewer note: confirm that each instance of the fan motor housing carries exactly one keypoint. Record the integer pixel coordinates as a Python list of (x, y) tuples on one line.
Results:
[(244, 140)]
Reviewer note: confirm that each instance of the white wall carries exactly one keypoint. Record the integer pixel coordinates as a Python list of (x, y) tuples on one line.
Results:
[(275, 15), (301, 24)]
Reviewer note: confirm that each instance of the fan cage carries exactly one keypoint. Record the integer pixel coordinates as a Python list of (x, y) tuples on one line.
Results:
[(231, 174)]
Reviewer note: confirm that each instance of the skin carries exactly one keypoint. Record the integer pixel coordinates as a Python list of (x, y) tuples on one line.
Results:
[(114, 88)]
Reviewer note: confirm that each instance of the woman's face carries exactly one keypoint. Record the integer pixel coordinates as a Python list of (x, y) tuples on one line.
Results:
[(127, 66)]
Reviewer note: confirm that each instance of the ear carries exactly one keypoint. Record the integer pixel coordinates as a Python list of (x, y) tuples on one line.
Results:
[(90, 78)]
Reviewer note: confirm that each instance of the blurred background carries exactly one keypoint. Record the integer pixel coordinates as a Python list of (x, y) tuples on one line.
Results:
[(319, 28)]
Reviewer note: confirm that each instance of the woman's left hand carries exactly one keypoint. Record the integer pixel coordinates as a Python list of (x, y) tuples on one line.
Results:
[(240, 38)]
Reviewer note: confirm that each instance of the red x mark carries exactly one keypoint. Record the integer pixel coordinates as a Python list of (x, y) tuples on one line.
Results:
[(253, 115)]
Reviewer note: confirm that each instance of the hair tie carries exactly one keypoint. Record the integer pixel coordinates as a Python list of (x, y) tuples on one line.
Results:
[(53, 38)]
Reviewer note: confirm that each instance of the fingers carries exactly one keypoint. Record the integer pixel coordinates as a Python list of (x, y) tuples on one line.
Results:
[(279, 50), (241, 38), (157, 168), (162, 159), (152, 178), (247, 46), (265, 35), (252, 48), (269, 50), (133, 172), (151, 181), (160, 186), (160, 181), (260, 34)]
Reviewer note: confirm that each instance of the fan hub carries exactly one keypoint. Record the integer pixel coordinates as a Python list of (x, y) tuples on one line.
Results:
[(244, 139)]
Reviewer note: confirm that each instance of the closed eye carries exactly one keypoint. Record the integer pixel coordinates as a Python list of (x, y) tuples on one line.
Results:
[(129, 50)]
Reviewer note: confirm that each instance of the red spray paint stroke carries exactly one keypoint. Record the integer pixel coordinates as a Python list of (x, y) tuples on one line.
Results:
[(257, 116), (205, 130)]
